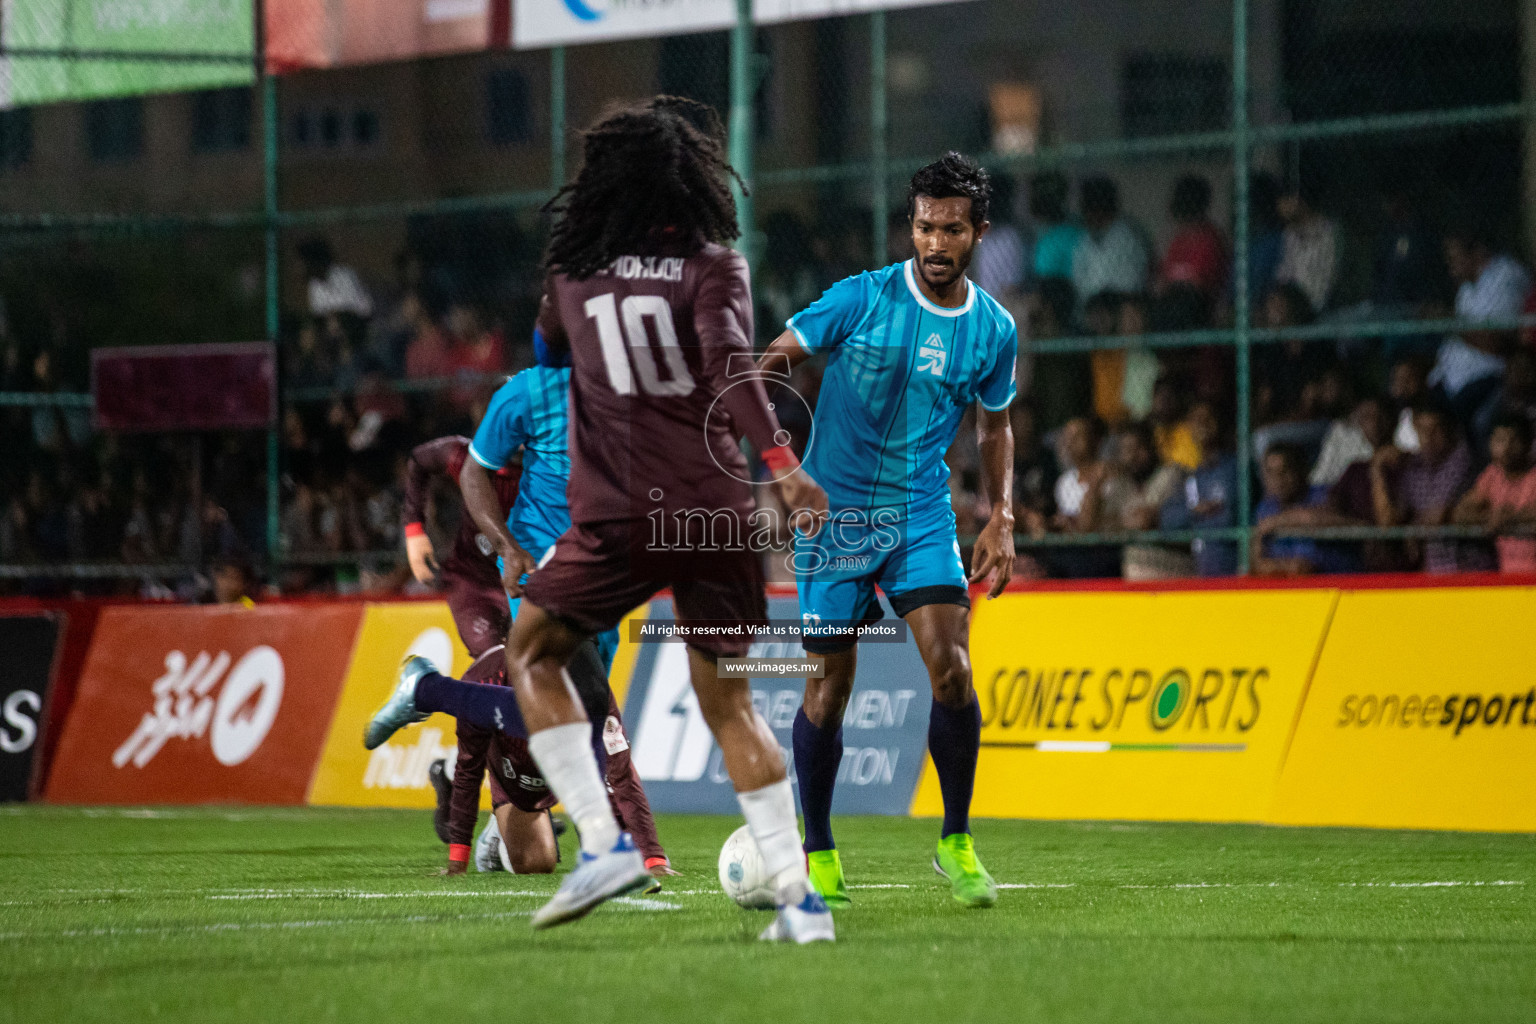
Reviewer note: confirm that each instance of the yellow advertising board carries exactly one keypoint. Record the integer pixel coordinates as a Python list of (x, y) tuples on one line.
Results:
[(395, 774), (1154, 706), (1422, 714)]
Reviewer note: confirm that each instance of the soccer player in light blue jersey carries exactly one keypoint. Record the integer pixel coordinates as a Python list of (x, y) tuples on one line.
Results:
[(909, 349), (528, 413)]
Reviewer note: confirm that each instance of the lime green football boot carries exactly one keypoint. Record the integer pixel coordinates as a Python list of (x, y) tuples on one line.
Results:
[(827, 877), (969, 882)]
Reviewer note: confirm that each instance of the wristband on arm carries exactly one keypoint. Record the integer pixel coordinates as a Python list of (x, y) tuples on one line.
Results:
[(415, 530), (458, 852), (780, 460)]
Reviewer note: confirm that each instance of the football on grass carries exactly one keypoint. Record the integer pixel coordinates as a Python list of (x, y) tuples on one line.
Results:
[(741, 872)]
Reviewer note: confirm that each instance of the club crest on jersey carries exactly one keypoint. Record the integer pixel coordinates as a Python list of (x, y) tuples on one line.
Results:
[(931, 356)]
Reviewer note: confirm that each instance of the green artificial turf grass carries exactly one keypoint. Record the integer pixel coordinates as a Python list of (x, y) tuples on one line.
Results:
[(318, 915)]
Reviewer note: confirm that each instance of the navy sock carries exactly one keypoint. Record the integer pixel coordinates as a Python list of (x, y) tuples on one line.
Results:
[(818, 752), (954, 741), (483, 704)]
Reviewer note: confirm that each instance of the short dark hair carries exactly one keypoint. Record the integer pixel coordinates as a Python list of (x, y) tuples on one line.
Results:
[(1099, 196), (1474, 231), (1307, 189), (1058, 294), (1438, 411), (1294, 455), (952, 176), (1096, 428), (316, 250), (1514, 421), (1191, 198), (1144, 432), (1048, 196), (1105, 301), (1297, 304)]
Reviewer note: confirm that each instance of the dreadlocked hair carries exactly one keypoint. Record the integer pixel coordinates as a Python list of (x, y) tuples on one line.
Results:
[(654, 176)]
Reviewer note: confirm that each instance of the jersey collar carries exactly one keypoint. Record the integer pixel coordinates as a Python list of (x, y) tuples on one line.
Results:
[(922, 300)]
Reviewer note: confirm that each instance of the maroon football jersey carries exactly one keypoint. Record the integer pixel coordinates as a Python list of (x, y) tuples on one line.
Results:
[(662, 385), (472, 557)]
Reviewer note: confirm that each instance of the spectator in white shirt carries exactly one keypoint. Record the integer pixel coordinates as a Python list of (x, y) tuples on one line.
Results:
[(333, 287), (1111, 255), (1491, 286), (1407, 389), (1309, 247)]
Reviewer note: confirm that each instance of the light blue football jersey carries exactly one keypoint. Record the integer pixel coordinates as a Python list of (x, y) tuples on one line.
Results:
[(901, 371), (529, 412)]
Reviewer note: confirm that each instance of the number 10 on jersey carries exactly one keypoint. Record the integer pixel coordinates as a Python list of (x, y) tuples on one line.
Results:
[(618, 357)]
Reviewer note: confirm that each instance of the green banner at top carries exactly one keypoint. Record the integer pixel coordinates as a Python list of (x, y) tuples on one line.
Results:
[(85, 49)]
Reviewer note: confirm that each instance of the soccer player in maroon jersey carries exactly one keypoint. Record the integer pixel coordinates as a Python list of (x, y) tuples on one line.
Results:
[(520, 800), (653, 307), (469, 573), (479, 607)]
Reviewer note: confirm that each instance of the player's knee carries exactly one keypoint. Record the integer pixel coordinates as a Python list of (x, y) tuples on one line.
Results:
[(826, 698), (532, 861), (719, 705), (951, 676)]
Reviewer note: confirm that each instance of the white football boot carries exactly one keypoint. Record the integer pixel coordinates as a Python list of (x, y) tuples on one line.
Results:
[(489, 855), (596, 878), (807, 920)]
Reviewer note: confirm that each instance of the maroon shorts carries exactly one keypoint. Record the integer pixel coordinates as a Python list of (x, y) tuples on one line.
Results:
[(513, 774), (515, 777), (600, 572), (479, 611)]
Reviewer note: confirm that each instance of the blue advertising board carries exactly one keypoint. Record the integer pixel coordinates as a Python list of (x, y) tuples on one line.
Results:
[(885, 729)]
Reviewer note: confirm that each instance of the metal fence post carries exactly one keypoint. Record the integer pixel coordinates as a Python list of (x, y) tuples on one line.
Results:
[(1240, 296), (274, 308), (557, 118), (743, 86), (878, 129)]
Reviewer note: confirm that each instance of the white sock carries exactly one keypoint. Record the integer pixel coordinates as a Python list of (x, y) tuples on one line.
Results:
[(564, 755), (770, 815)]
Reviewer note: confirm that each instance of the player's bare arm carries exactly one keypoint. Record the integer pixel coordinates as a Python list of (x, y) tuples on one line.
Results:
[(805, 499), (993, 553), (785, 347), (425, 460), (723, 320), (480, 502)]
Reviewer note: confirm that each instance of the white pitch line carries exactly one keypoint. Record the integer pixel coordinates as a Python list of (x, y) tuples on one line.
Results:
[(352, 895), (113, 895), (1422, 885), (215, 929), (1209, 885), (640, 904)]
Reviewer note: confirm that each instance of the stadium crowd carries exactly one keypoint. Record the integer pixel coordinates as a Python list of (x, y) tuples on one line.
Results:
[(1401, 429)]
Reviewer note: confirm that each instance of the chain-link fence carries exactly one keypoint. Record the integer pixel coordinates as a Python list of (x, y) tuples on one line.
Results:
[(1221, 230)]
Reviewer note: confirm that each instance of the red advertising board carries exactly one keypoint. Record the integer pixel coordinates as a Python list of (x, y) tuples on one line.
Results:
[(193, 705), (335, 33), (185, 387)]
